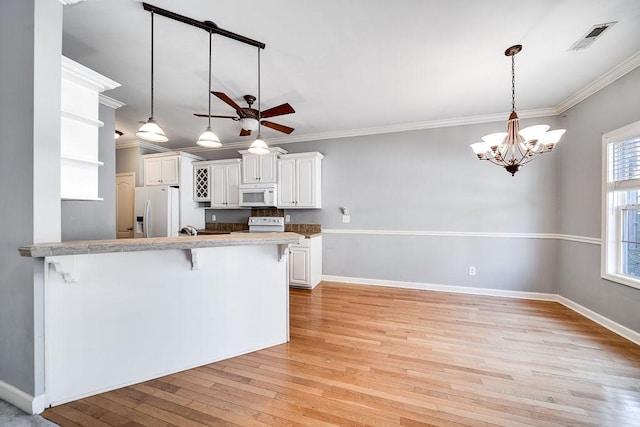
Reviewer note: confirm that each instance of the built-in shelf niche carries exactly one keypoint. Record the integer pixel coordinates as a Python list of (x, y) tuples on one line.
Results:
[(79, 110)]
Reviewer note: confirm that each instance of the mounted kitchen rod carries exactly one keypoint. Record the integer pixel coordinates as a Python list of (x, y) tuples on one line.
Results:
[(208, 26)]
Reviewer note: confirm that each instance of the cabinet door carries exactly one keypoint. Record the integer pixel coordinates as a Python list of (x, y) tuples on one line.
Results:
[(153, 171), (233, 186), (201, 184), (299, 266), (250, 168), (218, 186), (287, 183), (170, 170), (269, 168), (306, 185)]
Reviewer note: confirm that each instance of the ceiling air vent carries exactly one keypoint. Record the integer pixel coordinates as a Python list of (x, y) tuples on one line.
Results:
[(592, 35)]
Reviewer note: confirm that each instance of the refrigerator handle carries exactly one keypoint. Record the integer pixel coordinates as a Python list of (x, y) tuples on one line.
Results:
[(147, 218)]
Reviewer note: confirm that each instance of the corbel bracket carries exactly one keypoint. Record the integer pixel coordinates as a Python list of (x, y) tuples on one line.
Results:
[(63, 266)]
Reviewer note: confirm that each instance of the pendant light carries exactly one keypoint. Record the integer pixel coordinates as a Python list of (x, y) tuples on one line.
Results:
[(259, 146), (208, 138), (150, 131)]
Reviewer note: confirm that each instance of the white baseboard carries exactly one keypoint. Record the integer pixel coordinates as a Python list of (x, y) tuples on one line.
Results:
[(20, 399), (617, 328), (614, 327), (442, 288)]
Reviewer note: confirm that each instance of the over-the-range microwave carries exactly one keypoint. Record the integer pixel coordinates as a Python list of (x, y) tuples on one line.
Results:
[(257, 195)]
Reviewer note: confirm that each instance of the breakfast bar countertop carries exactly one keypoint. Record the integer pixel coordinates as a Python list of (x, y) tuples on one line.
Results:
[(156, 243)]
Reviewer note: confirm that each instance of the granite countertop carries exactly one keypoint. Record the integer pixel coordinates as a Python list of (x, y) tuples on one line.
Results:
[(156, 243)]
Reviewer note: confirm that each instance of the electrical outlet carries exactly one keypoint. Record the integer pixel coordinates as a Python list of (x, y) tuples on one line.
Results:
[(346, 219), (213, 217), (287, 218), (472, 271)]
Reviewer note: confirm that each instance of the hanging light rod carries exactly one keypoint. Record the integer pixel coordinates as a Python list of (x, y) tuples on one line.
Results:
[(205, 25)]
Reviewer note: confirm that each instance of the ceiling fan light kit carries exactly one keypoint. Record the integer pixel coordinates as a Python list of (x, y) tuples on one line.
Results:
[(516, 147), (150, 131)]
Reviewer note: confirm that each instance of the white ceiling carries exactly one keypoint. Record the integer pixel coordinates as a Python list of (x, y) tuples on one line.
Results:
[(347, 67)]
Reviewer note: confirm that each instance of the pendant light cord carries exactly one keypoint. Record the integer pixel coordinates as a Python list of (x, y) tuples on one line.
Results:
[(259, 110), (209, 78), (152, 63)]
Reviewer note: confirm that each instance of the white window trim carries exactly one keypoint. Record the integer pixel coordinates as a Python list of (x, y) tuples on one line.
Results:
[(611, 237)]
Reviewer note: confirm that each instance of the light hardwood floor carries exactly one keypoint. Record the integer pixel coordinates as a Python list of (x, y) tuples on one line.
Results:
[(363, 355)]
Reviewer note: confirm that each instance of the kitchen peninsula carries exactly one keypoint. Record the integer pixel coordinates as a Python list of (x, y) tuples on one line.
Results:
[(118, 312)]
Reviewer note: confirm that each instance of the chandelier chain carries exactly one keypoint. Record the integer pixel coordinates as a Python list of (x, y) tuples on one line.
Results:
[(513, 84)]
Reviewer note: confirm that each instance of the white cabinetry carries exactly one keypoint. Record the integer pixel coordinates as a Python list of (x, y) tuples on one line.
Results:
[(217, 182), (260, 167), (305, 263), (300, 180), (163, 170), (79, 163)]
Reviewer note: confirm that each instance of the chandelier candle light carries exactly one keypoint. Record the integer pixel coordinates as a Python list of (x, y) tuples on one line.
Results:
[(516, 147)]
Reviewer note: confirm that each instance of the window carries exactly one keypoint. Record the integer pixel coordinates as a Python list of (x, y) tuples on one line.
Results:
[(621, 206)]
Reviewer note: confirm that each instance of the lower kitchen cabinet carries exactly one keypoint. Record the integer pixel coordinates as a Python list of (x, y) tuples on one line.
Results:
[(305, 263)]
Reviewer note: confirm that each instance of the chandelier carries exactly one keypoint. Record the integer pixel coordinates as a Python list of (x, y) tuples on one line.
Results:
[(516, 147)]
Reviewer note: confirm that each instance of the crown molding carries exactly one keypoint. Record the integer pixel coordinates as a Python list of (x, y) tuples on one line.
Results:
[(378, 130), (110, 102), (601, 82), (78, 73), (143, 144)]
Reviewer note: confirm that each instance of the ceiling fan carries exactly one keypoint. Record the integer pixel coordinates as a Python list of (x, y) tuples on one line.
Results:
[(248, 117)]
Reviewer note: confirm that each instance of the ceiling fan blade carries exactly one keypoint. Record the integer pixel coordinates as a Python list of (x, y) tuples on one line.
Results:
[(245, 132), (278, 127), (219, 117), (228, 100), (278, 111)]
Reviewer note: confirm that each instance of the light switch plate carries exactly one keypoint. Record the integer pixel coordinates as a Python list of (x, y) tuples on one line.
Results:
[(287, 218), (346, 219)]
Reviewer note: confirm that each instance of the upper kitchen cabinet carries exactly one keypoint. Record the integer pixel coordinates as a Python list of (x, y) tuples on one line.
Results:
[(260, 168), (217, 182), (300, 180), (79, 162), (161, 170)]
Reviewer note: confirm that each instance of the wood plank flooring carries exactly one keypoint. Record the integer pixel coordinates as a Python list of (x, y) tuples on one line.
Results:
[(363, 355)]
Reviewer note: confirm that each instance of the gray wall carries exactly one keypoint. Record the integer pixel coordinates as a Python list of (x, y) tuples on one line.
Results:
[(430, 180), (93, 220), (580, 180), (30, 39)]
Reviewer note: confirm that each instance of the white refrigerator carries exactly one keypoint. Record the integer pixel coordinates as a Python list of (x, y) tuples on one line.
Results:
[(157, 212)]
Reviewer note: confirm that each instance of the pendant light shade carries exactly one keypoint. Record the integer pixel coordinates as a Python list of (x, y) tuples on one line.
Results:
[(150, 131), (259, 146), (208, 138)]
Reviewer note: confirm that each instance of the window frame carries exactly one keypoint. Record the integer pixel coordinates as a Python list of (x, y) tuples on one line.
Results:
[(612, 210)]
